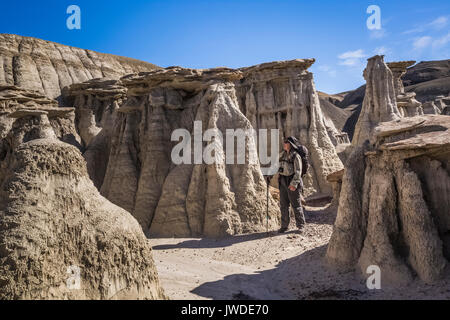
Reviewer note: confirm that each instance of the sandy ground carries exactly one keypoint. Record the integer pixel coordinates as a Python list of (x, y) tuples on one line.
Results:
[(270, 266)]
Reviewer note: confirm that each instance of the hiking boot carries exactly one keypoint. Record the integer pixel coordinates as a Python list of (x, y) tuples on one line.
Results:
[(301, 228), (282, 230)]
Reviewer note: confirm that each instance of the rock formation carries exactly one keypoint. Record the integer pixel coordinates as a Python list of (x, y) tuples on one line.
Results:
[(406, 102), (441, 102), (48, 67), (335, 179), (380, 101), (53, 221), (394, 202), (430, 107), (171, 199), (282, 95), (129, 159), (446, 111)]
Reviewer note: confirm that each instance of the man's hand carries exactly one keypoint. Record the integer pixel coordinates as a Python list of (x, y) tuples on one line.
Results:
[(292, 188)]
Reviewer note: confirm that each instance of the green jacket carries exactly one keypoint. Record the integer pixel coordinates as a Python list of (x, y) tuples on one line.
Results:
[(291, 163)]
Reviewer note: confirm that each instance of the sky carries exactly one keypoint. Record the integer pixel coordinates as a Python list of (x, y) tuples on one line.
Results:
[(238, 33)]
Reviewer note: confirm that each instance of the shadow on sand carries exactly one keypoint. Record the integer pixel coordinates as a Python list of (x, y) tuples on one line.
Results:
[(305, 277), (317, 217), (203, 243)]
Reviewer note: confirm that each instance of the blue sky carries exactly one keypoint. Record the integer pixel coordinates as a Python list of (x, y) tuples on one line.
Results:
[(236, 33)]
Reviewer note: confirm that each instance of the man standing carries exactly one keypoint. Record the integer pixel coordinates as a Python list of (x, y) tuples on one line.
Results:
[(290, 184)]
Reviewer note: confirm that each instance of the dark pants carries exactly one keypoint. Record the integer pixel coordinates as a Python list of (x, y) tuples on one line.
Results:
[(293, 198)]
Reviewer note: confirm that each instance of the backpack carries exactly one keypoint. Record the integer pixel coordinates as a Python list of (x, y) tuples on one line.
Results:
[(304, 154)]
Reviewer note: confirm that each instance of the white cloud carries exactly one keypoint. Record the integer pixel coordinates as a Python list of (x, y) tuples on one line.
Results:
[(351, 58), (327, 69), (441, 42), (422, 42), (352, 54), (378, 34), (438, 23), (382, 51)]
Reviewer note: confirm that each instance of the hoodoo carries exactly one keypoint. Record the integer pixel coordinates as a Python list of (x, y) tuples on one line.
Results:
[(52, 218), (130, 158), (394, 203)]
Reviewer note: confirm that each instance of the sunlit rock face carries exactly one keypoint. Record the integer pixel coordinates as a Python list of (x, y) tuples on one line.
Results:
[(130, 161), (282, 95), (170, 199), (48, 67), (393, 203), (406, 102)]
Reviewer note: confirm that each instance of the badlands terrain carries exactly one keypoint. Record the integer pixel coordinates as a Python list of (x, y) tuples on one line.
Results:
[(87, 182)]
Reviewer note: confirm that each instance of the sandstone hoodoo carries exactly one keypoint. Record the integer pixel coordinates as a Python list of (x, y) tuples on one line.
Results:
[(394, 201), (406, 102), (55, 227), (282, 95), (130, 158), (184, 199)]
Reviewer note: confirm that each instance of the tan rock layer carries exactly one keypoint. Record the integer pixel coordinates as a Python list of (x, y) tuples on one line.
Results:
[(395, 214), (52, 218), (188, 200), (48, 67)]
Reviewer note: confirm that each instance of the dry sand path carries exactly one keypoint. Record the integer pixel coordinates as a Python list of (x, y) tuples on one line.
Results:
[(261, 266)]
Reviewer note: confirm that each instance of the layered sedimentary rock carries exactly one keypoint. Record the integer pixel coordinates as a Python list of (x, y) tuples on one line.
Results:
[(380, 100), (406, 102), (335, 179), (187, 199), (199, 199), (14, 100), (48, 67), (394, 201), (96, 104), (282, 95), (59, 238)]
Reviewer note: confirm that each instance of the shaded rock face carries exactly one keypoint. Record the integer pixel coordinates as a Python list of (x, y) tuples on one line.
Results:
[(393, 205), (283, 96), (427, 71), (430, 108), (96, 104), (53, 219), (48, 67)]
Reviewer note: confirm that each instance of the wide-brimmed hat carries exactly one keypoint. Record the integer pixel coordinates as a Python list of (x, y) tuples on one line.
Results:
[(293, 141)]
